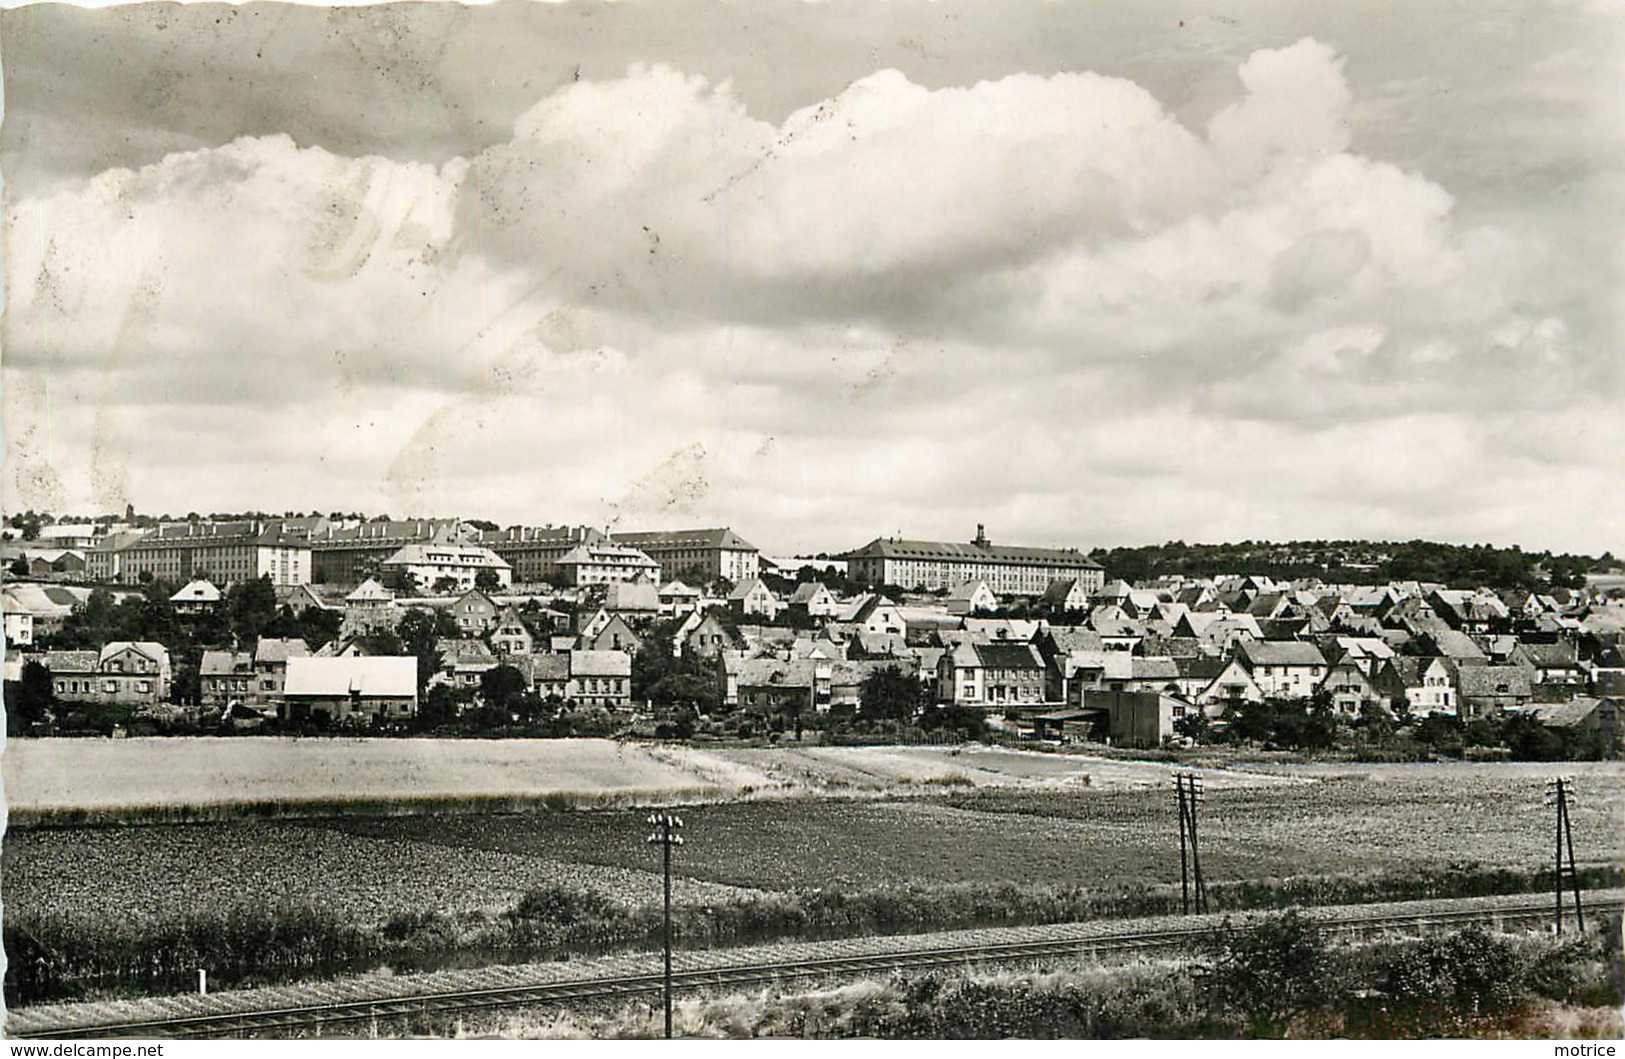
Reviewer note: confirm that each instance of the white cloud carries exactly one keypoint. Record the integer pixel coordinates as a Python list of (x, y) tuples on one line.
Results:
[(900, 308)]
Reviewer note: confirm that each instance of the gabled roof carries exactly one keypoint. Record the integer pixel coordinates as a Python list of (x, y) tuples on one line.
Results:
[(723, 538), (273, 649), (225, 663), (370, 591), (968, 590), (953, 551), (1280, 653), (809, 591), (199, 591), (371, 676), (70, 661), (461, 649), (600, 664), (1141, 668), (152, 650), (1492, 681), (632, 596), (1067, 639), (1007, 656), (743, 590)]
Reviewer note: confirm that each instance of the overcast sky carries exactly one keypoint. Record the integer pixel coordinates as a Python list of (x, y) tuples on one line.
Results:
[(1090, 273)]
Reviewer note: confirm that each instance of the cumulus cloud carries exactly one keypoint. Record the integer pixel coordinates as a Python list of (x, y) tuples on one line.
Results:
[(898, 305)]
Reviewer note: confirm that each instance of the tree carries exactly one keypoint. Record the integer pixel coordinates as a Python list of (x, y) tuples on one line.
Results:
[(888, 693), (18, 567), (502, 686), (438, 708), (1194, 725), (445, 585), (251, 607), (420, 632), (29, 700), (486, 580)]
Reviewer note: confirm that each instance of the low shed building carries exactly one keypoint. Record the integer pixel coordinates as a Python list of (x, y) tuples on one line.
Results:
[(351, 688)]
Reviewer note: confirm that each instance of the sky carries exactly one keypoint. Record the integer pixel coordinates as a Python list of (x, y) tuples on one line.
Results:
[(1089, 273)]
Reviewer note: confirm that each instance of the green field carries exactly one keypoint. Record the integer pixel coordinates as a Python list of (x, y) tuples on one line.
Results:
[(1393, 820), (138, 907)]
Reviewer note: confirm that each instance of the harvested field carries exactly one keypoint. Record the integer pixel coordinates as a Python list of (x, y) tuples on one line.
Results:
[(68, 781)]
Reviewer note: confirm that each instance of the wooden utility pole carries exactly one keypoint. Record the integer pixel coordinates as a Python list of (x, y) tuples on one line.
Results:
[(665, 834), (1560, 794), (1188, 786)]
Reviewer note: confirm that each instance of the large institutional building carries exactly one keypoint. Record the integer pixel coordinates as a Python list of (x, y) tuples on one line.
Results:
[(1008, 570), (700, 556), (219, 551), (534, 551)]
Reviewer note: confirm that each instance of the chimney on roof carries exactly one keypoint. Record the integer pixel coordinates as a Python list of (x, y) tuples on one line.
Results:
[(981, 540)]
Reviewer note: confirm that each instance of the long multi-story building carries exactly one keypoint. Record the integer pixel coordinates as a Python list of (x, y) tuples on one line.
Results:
[(534, 551), (603, 564), (700, 555), (349, 555), (222, 552), (932, 565)]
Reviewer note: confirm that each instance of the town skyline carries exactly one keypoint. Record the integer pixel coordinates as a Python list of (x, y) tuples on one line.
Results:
[(1089, 277)]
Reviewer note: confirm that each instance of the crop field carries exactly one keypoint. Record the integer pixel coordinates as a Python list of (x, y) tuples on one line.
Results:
[(1392, 819), (97, 780), (979, 839)]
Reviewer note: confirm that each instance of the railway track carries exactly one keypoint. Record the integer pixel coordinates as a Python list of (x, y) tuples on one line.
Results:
[(910, 953)]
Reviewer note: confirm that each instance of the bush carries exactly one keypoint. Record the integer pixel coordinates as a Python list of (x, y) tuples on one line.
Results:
[(1271, 971)]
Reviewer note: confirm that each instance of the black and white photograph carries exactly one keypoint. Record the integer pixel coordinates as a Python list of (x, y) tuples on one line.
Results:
[(818, 520)]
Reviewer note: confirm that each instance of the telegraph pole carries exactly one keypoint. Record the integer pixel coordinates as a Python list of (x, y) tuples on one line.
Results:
[(1188, 786), (1560, 794), (666, 826)]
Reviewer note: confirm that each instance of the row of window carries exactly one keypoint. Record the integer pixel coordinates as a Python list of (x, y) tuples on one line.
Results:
[(110, 687)]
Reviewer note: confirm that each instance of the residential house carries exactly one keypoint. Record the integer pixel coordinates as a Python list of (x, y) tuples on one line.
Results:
[(1351, 688), (1428, 684), (474, 612), (600, 678), (1489, 690), (271, 654), (1233, 686), (510, 635), (992, 675), (972, 597), (196, 597), (1468, 612), (19, 626), (753, 599), (1067, 593), (122, 673), (225, 677), (634, 600), (371, 608), (351, 688), (1552, 663), (777, 686), (677, 598), (704, 635), (815, 600), (613, 635), (463, 662), (1368, 653), (873, 613), (1283, 669)]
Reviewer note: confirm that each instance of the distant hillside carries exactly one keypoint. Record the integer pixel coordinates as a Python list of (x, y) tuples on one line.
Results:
[(1359, 562)]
